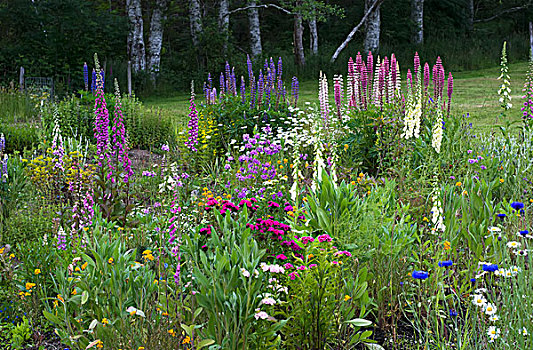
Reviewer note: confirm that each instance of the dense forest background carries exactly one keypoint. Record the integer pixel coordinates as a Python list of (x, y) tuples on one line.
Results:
[(53, 38)]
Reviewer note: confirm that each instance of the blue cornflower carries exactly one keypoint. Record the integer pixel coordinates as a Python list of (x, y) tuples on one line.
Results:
[(445, 263), (420, 275), (453, 313), (472, 280), (524, 232), (517, 205), (490, 267), (501, 216)]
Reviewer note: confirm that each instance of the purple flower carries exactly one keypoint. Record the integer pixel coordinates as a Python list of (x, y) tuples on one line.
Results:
[(165, 148), (193, 124), (324, 238)]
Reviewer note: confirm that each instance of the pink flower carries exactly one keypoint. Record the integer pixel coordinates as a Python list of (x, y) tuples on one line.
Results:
[(261, 315), (324, 238), (301, 267), (288, 266), (312, 265), (307, 239), (343, 252), (281, 257), (293, 275)]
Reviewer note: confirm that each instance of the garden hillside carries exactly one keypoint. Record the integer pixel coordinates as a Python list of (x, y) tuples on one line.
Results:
[(387, 205)]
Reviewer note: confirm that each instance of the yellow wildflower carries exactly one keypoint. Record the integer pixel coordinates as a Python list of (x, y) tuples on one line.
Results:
[(187, 340), (447, 245), (29, 285), (74, 291), (110, 260), (347, 297), (172, 332), (37, 271)]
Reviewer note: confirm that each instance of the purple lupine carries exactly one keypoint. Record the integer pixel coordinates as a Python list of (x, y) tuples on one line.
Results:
[(260, 87), (86, 76), (394, 75), (416, 67), (338, 94), (363, 86), (222, 85), (435, 81), (93, 81), (450, 90), (351, 83), (243, 90), (253, 90), (233, 80), (227, 70), (426, 78), (102, 74), (442, 78), (250, 70), (209, 81), (294, 91), (61, 239), (370, 71), (2, 143), (101, 121), (193, 124), (120, 145)]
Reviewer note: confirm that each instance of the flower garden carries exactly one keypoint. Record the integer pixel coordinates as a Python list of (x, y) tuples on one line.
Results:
[(375, 218)]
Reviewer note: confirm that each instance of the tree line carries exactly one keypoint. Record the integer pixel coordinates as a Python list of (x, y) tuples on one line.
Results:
[(171, 40)]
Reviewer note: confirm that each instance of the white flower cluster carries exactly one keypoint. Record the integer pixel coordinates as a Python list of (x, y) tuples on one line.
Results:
[(438, 131), (505, 88), (437, 213), (412, 121)]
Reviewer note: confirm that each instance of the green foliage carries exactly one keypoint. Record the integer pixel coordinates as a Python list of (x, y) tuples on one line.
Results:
[(145, 128), (327, 297), (12, 189), (230, 284), (20, 137), (20, 334), (106, 297)]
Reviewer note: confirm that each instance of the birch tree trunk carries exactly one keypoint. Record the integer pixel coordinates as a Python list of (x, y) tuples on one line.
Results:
[(155, 41), (470, 20), (136, 49), (223, 21), (417, 16), (255, 29), (299, 55), (195, 18), (373, 27), (313, 36)]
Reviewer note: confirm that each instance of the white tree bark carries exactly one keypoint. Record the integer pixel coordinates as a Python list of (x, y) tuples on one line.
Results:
[(155, 41), (417, 16), (299, 55), (223, 21), (255, 29), (373, 27), (470, 23), (195, 18), (313, 36), (136, 49)]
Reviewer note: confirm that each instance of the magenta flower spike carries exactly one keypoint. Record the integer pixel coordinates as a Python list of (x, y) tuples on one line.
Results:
[(370, 70), (416, 67), (101, 121), (363, 86), (120, 146), (426, 77), (409, 78)]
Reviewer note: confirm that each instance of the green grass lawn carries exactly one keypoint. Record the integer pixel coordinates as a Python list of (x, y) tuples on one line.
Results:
[(475, 92)]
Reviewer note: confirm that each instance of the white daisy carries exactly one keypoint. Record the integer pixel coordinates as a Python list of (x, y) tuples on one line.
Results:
[(513, 244), (490, 309), (494, 318), (524, 331), (479, 300), (493, 333)]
